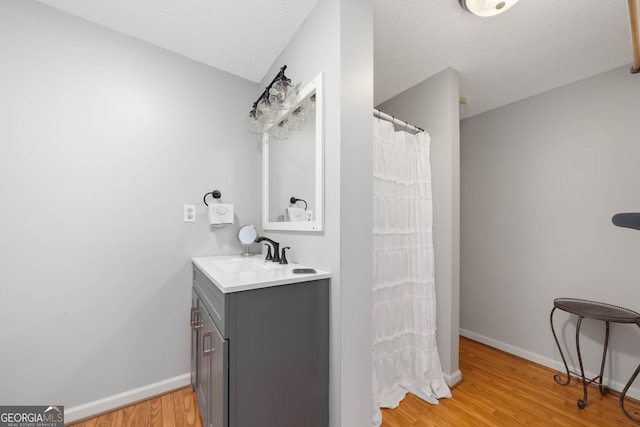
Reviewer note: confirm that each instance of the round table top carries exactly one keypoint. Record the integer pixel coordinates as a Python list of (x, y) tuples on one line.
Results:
[(597, 310)]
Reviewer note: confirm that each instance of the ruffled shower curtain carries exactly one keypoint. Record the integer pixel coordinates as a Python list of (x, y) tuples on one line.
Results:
[(405, 354)]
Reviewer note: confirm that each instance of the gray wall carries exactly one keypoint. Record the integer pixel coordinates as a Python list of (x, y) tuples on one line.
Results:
[(337, 39), (102, 140), (433, 106), (541, 179)]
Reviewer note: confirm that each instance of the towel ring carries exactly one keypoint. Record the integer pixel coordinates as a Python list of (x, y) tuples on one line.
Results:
[(215, 194), (293, 200)]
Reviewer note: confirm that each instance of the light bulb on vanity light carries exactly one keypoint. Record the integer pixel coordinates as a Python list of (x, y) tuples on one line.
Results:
[(266, 112), (281, 131), (282, 93), (487, 7), (253, 124), (309, 106), (297, 119)]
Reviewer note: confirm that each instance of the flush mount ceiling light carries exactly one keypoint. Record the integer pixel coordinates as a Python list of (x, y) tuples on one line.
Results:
[(486, 7), (462, 102)]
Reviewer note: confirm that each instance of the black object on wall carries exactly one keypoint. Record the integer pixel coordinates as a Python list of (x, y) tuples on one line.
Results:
[(628, 220)]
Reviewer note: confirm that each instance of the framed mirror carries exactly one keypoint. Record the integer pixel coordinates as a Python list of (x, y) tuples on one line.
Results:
[(293, 168)]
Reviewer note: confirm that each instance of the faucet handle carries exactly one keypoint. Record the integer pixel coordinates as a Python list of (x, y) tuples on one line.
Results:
[(269, 256), (283, 258)]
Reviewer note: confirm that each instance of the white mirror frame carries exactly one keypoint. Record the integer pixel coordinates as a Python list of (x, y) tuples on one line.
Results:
[(315, 85)]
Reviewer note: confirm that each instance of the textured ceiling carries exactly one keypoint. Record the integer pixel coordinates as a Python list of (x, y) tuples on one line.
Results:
[(242, 37), (535, 46)]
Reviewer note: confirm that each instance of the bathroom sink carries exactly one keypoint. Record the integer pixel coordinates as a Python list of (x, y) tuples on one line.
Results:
[(235, 273), (244, 265)]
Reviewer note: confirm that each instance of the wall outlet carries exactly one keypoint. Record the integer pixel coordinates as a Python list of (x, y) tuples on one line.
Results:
[(189, 213)]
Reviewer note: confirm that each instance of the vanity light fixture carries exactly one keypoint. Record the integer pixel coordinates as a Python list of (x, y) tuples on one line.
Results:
[(278, 96), (486, 7)]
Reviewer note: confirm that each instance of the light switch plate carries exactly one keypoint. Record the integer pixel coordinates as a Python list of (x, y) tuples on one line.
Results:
[(189, 213)]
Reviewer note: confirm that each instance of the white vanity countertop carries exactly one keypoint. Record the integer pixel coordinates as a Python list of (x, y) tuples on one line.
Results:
[(233, 273)]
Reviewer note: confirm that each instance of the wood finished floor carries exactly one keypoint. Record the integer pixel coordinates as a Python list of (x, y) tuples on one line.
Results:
[(176, 409), (499, 389)]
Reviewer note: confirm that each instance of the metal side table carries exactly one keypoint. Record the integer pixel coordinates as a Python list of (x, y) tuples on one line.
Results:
[(599, 311)]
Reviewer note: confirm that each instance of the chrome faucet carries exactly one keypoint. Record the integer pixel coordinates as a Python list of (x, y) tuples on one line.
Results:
[(276, 247)]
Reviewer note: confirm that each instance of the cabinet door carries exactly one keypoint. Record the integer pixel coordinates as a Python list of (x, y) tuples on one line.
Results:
[(213, 375), (194, 340), (203, 389), (219, 380)]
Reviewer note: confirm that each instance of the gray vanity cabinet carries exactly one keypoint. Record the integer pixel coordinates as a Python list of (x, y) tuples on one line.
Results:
[(269, 359)]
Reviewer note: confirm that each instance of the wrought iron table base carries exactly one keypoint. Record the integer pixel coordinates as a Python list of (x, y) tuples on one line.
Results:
[(624, 393), (599, 311), (598, 379)]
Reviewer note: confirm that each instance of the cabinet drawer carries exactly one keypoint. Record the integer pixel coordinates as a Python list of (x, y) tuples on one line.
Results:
[(214, 300)]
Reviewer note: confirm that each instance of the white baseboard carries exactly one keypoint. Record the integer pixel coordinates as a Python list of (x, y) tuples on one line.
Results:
[(126, 398), (633, 392), (453, 378)]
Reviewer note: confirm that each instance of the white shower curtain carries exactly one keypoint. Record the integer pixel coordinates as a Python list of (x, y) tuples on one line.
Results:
[(405, 354)]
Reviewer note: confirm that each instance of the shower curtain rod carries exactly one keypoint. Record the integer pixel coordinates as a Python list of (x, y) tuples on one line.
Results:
[(384, 116)]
